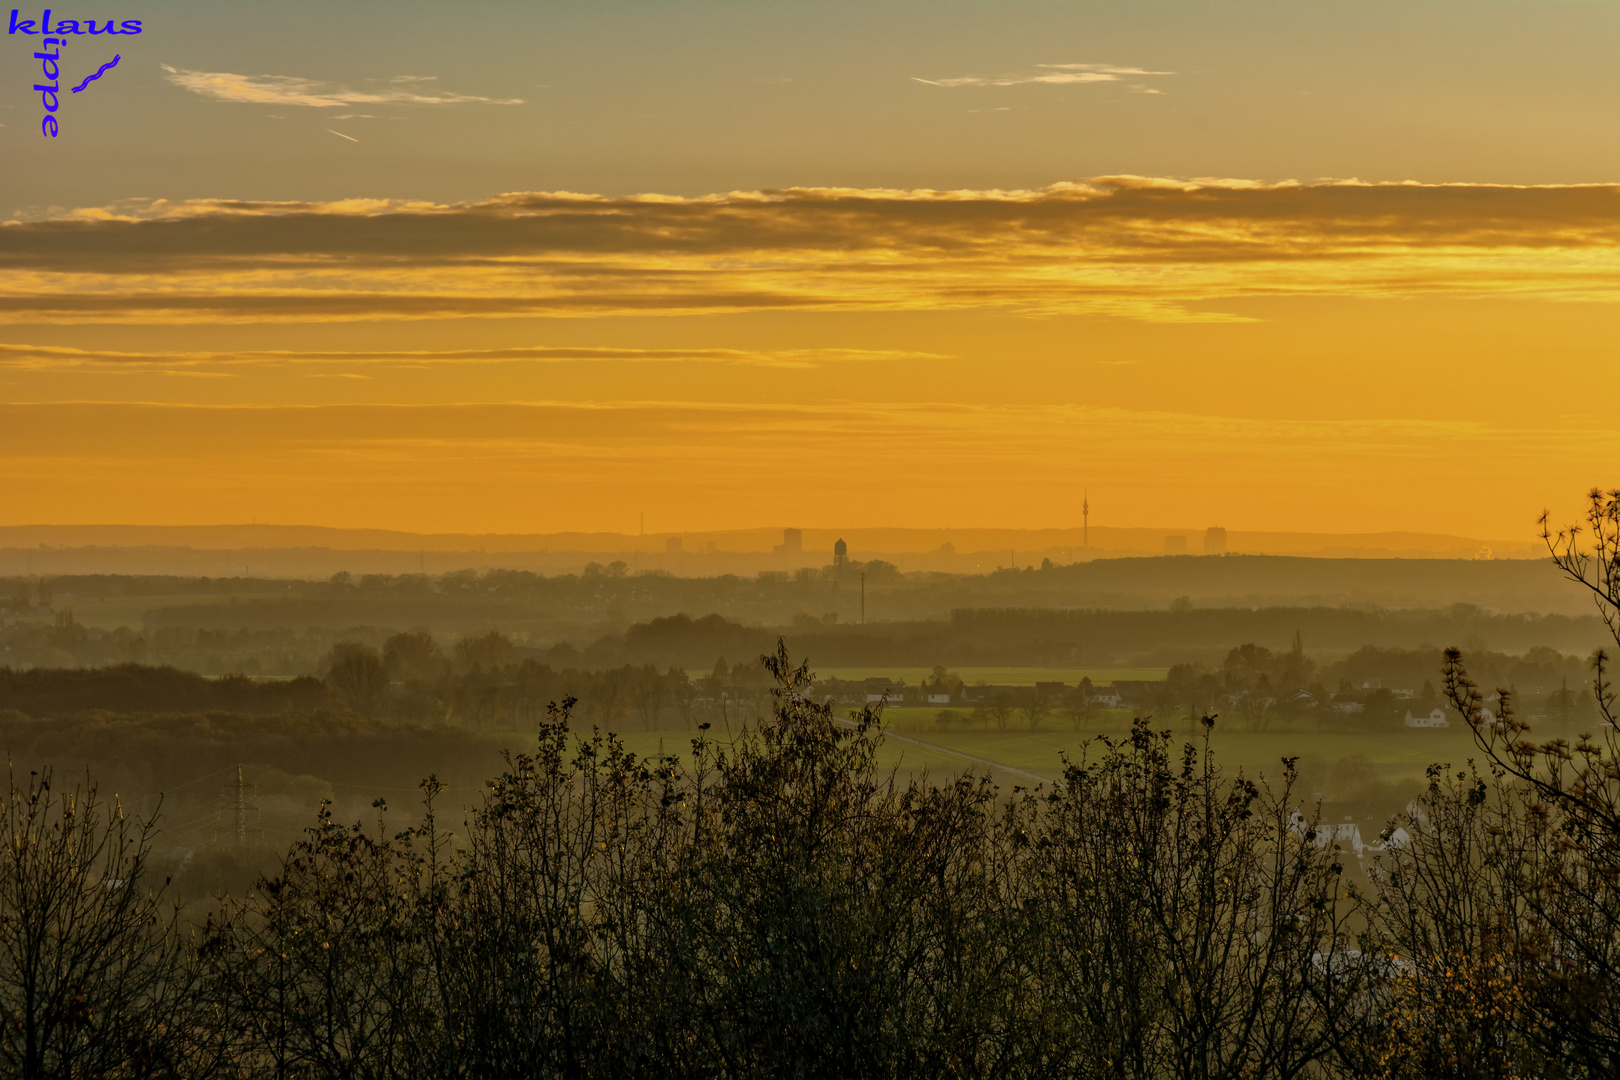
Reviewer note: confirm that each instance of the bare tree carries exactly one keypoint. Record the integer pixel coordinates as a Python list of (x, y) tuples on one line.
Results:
[(649, 690), (1570, 888), (358, 673), (323, 966), (1035, 712), (999, 709), (91, 975), (1182, 915), (1454, 944), (682, 693)]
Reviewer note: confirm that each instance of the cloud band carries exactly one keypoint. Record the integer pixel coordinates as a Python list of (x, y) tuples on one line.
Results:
[(1128, 246)]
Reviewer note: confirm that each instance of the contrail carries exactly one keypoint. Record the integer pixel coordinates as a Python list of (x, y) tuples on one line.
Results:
[(100, 71), (340, 135)]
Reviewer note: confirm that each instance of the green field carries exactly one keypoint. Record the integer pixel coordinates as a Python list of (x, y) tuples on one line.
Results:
[(1001, 676), (1015, 757)]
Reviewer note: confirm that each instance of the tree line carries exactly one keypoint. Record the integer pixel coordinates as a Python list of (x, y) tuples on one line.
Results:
[(486, 682)]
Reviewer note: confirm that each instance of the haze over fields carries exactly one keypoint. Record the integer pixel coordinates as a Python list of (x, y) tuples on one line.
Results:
[(303, 551)]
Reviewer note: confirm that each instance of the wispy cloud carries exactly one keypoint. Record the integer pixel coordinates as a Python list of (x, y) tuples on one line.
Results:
[(292, 90), (1129, 246), (1055, 74)]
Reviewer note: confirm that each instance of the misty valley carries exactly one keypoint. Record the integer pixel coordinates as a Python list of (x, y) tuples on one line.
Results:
[(618, 823)]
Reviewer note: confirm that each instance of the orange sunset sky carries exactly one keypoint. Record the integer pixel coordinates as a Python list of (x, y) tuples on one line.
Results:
[(529, 268)]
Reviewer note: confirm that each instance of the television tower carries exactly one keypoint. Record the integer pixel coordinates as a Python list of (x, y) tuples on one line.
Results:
[(1085, 519)]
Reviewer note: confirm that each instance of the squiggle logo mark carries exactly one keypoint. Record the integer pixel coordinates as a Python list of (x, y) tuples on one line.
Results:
[(100, 71)]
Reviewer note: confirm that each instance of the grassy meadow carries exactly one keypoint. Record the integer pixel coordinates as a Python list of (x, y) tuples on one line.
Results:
[(1001, 676), (1015, 756)]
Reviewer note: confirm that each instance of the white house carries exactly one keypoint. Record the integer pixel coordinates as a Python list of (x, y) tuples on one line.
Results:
[(1347, 834), (1434, 718)]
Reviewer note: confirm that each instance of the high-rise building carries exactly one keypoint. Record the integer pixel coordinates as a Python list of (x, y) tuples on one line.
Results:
[(1215, 540), (792, 542)]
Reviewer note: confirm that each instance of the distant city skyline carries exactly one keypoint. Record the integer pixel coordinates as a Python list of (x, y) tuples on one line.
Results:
[(786, 541)]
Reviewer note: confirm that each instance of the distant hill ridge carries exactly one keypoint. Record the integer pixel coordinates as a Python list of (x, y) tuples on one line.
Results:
[(1103, 540)]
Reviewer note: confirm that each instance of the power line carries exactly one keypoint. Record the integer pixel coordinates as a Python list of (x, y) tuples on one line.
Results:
[(177, 787), (240, 809)]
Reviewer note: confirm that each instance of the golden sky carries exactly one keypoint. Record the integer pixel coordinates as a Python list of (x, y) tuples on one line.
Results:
[(1333, 355)]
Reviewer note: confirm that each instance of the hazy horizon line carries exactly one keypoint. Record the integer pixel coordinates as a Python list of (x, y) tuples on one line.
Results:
[(812, 536)]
